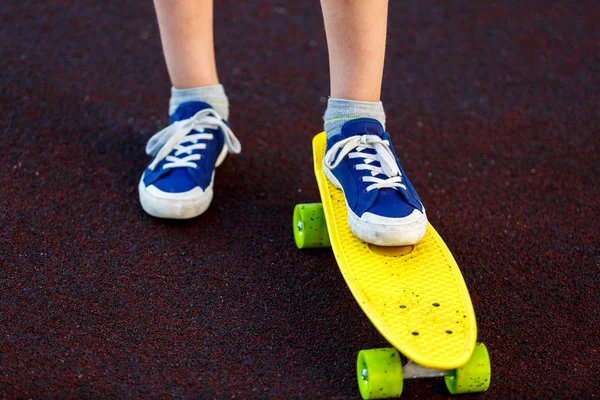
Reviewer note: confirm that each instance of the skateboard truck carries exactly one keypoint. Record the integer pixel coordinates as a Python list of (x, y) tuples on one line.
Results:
[(412, 370), (380, 373)]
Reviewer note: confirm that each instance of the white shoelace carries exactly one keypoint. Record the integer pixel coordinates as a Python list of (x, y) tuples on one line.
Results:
[(175, 136), (384, 155)]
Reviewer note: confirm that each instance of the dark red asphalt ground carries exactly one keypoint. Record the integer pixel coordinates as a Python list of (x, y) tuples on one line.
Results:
[(494, 108)]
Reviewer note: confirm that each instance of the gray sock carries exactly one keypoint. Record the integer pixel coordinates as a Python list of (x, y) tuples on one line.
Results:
[(213, 95), (340, 111)]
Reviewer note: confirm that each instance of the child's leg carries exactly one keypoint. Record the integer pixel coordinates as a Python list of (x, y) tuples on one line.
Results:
[(356, 32), (186, 31), (383, 206), (356, 35), (178, 183)]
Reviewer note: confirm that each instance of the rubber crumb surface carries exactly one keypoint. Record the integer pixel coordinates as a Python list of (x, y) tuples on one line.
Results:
[(494, 111)]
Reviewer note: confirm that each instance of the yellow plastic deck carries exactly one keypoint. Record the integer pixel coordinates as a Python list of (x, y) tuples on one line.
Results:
[(419, 301)]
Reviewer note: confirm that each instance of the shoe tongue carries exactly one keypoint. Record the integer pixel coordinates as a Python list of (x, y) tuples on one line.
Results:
[(362, 126), (188, 110)]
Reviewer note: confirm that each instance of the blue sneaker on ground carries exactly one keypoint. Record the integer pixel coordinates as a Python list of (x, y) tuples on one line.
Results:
[(383, 206), (178, 183)]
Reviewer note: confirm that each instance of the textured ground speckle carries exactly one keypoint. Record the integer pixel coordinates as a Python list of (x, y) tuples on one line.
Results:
[(494, 111)]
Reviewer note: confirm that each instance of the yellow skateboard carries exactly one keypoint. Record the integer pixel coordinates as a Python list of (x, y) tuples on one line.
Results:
[(414, 295)]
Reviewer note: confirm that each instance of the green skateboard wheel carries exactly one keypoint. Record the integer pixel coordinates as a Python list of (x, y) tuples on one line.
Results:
[(379, 373), (310, 228), (472, 377)]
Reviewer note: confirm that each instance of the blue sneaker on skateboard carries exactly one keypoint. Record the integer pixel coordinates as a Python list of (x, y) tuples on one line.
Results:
[(383, 206)]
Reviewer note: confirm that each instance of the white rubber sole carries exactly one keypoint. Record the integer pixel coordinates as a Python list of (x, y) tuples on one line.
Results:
[(184, 205), (384, 231)]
